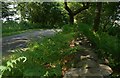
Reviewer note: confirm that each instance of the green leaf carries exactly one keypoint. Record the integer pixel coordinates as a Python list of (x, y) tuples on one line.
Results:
[(14, 61), (2, 68), (9, 64)]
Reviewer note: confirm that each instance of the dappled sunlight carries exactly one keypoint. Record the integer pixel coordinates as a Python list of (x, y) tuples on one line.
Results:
[(106, 69), (34, 46), (96, 35), (20, 49), (21, 40), (17, 42), (84, 57), (72, 43), (60, 40)]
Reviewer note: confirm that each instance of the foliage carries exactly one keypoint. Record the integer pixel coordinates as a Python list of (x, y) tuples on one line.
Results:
[(101, 39), (6, 10), (12, 27), (106, 45), (69, 28), (109, 15), (114, 30), (10, 65), (109, 12), (45, 58), (47, 13), (86, 16)]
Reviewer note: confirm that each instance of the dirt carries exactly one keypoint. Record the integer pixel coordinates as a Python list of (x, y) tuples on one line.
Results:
[(85, 63)]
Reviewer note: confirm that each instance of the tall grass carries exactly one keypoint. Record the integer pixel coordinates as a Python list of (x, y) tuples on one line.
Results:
[(107, 46), (44, 58)]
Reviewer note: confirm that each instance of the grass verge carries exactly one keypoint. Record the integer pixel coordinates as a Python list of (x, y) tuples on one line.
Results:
[(42, 59)]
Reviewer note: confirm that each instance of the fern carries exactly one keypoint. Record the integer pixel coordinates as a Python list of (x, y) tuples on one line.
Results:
[(10, 65)]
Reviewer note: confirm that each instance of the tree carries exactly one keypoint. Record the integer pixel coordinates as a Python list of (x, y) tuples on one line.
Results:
[(7, 11), (74, 13), (108, 15), (97, 17), (46, 13)]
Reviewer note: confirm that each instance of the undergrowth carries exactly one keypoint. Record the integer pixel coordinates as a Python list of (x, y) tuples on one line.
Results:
[(107, 46), (44, 59), (11, 27)]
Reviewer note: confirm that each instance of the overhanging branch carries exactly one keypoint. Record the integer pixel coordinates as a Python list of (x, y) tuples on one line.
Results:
[(82, 8), (67, 8)]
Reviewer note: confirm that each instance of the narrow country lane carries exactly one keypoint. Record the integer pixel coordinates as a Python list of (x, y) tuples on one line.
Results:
[(11, 43)]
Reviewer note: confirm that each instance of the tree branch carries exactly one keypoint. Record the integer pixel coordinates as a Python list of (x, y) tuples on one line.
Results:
[(82, 8), (67, 8)]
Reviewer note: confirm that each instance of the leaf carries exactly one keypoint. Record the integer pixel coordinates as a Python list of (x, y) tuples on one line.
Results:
[(46, 74), (8, 68), (2, 68), (0, 75), (14, 61), (21, 58), (9, 64), (24, 59)]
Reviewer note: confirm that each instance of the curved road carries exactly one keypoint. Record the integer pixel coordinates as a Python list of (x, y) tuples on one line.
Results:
[(11, 43), (87, 66)]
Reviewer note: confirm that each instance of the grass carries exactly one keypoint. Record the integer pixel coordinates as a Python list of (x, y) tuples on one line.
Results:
[(13, 33), (102, 40), (107, 46), (18, 32), (45, 58), (12, 28)]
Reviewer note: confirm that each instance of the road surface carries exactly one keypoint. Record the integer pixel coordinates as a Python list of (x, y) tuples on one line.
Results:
[(10, 43)]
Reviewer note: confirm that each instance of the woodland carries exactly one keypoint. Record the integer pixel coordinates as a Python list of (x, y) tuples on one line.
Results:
[(83, 25)]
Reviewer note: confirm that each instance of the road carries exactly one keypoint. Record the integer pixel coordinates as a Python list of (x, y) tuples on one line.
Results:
[(10, 43)]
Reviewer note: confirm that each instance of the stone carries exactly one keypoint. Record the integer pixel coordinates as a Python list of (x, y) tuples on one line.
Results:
[(105, 70), (87, 65), (88, 69)]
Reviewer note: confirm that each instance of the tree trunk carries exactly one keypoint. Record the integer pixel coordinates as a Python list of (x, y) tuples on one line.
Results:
[(71, 18), (73, 13), (97, 17), (70, 13)]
